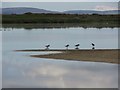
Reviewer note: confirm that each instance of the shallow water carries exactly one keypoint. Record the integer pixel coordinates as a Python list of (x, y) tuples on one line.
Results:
[(20, 70)]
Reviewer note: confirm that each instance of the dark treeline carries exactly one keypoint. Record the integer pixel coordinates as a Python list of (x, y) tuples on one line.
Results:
[(60, 18)]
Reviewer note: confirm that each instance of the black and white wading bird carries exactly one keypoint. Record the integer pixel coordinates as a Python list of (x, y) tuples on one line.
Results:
[(47, 46), (77, 45), (93, 45), (67, 46)]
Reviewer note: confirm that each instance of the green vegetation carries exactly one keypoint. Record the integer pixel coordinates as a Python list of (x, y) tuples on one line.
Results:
[(59, 18)]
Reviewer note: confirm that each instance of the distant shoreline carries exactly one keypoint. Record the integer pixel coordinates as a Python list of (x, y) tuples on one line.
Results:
[(58, 25), (98, 55), (86, 20)]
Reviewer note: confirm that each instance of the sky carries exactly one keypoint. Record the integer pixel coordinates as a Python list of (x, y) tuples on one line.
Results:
[(63, 6), (60, 0)]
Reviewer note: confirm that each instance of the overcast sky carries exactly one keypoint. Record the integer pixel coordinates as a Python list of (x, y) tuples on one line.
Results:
[(62, 6), (60, 0)]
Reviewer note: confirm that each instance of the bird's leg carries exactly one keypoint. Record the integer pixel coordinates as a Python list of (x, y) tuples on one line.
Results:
[(67, 48), (46, 48)]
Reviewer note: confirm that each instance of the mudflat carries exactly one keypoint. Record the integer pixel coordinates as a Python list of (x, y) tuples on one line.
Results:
[(96, 55)]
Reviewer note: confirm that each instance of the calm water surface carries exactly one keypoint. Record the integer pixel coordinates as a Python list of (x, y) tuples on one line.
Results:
[(20, 70)]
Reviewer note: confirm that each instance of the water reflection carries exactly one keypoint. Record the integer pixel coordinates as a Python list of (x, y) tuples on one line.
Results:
[(24, 71), (59, 25), (19, 70), (58, 38)]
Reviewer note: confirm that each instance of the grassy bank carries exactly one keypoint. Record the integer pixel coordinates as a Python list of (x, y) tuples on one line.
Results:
[(98, 55), (108, 20)]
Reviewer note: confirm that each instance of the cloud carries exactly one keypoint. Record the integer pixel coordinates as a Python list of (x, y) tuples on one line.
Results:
[(59, 75), (103, 8)]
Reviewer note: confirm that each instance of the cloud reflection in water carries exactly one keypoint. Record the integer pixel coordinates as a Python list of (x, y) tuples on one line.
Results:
[(21, 71), (51, 73)]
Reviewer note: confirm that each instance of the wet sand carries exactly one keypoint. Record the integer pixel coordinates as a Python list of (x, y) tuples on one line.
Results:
[(97, 55)]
